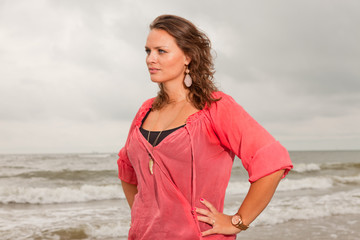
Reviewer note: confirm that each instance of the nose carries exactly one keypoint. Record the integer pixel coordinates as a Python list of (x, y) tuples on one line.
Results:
[(151, 57)]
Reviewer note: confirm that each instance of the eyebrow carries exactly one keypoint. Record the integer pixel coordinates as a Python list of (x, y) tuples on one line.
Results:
[(146, 47)]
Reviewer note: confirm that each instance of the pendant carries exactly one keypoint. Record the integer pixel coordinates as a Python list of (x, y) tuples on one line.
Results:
[(151, 164)]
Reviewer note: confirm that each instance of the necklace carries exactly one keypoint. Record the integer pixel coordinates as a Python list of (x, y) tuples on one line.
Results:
[(151, 160)]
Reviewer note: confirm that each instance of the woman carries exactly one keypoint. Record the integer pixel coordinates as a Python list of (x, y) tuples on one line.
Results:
[(177, 160)]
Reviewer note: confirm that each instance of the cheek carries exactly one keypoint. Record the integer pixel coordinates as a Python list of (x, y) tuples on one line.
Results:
[(176, 63)]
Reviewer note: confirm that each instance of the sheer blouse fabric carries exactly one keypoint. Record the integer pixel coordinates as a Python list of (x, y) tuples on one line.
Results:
[(193, 162)]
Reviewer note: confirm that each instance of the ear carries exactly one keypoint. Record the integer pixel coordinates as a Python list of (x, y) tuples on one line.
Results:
[(187, 60)]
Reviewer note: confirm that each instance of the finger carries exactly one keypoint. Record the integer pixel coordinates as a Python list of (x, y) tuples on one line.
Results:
[(204, 212), (208, 205), (208, 232), (207, 220)]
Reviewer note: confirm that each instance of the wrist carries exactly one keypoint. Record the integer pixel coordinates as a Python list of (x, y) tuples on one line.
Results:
[(237, 222)]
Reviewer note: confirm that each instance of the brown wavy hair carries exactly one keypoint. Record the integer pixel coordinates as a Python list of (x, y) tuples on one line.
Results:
[(196, 45)]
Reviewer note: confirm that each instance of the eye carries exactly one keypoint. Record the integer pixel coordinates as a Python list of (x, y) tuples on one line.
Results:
[(162, 51), (147, 51)]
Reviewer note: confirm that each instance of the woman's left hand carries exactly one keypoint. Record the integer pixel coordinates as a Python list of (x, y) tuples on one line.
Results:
[(221, 222)]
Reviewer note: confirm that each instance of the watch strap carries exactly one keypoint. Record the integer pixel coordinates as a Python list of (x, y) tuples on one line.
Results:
[(239, 223)]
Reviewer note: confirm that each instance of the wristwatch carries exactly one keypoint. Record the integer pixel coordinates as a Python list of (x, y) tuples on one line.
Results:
[(237, 222)]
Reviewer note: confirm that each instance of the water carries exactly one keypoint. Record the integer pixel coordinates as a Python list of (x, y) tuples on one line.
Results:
[(78, 196)]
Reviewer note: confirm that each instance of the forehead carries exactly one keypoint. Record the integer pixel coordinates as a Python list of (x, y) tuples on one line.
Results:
[(158, 37)]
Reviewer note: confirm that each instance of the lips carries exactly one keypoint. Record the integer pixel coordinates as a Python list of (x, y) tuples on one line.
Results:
[(153, 70)]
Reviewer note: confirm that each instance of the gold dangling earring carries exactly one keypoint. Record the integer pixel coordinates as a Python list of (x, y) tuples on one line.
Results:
[(188, 79)]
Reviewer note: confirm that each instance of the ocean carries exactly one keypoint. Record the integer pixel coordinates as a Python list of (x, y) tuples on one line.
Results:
[(78, 196)]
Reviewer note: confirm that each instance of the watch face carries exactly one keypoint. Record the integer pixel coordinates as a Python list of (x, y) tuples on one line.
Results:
[(235, 219)]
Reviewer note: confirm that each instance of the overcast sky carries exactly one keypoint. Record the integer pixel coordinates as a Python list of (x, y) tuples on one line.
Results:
[(73, 73)]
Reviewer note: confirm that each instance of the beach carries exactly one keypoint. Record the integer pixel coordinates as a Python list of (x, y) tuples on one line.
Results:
[(78, 196)]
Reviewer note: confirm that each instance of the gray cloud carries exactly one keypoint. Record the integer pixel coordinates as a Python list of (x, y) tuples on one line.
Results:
[(73, 73)]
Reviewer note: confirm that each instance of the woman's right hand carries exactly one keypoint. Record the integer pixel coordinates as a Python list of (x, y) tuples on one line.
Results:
[(221, 222)]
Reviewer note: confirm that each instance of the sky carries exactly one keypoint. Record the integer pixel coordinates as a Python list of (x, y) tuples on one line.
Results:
[(73, 72)]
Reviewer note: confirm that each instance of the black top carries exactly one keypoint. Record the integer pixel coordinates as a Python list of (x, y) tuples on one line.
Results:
[(154, 134)]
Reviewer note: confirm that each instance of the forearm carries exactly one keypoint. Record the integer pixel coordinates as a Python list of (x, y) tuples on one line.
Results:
[(130, 190), (259, 196)]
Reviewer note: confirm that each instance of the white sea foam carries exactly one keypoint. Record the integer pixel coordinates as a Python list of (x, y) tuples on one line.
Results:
[(95, 155), (40, 195), (348, 179), (306, 167), (237, 188), (286, 185), (44, 182), (285, 209), (98, 221), (309, 207), (85, 193), (12, 165), (108, 230), (305, 183), (110, 221)]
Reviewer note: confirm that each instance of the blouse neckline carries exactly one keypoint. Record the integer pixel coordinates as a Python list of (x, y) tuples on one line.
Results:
[(147, 105)]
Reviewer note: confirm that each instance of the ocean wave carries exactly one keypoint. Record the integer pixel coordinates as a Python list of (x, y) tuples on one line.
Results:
[(96, 155), (310, 207), (348, 179), (306, 167), (40, 195), (286, 185), (307, 207), (314, 167), (70, 175), (341, 165), (62, 174), (74, 221), (85, 193), (237, 188), (305, 183)]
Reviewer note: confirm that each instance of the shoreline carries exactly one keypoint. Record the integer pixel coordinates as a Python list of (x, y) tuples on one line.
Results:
[(343, 227)]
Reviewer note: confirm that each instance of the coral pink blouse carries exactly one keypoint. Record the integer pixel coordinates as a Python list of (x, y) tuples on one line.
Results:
[(193, 162)]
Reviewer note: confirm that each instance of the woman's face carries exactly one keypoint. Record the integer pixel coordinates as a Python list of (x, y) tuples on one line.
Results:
[(165, 60)]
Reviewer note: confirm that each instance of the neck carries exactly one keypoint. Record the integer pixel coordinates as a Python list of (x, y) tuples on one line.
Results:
[(176, 92)]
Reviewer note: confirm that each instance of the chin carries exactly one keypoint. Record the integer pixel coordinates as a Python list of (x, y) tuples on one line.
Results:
[(155, 80)]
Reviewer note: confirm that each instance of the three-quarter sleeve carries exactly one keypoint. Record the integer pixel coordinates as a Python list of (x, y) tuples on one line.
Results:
[(125, 168), (126, 171), (237, 131)]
